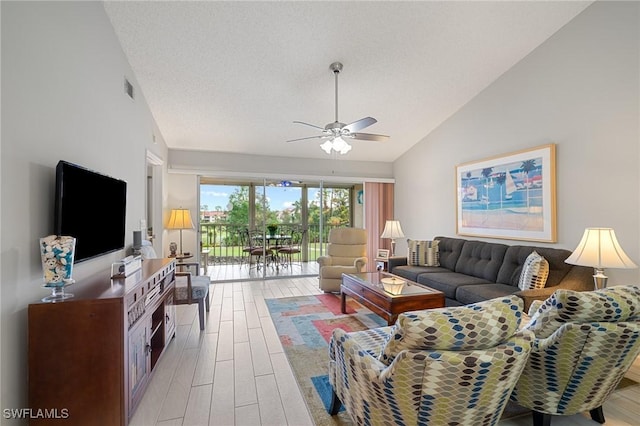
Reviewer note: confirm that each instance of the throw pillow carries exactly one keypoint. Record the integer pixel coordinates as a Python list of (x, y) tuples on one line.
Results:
[(423, 253), (477, 326), (613, 304), (535, 271), (433, 256)]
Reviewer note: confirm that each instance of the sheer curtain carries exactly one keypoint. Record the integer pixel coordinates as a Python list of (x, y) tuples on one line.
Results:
[(378, 208)]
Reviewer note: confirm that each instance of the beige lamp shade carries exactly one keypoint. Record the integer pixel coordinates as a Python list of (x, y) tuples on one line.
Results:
[(392, 229), (599, 248), (180, 219)]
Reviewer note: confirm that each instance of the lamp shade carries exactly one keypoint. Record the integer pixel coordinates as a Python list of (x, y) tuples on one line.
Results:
[(180, 219), (599, 248), (392, 229)]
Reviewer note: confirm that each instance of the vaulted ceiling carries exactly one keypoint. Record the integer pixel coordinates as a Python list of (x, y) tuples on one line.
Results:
[(233, 76)]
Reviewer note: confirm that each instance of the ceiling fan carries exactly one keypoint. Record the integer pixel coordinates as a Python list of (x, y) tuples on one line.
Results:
[(337, 132)]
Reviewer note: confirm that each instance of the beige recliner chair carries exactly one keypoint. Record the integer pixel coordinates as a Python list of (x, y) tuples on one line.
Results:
[(346, 253)]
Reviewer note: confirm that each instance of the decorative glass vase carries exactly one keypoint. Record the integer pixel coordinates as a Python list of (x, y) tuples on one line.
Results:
[(57, 253)]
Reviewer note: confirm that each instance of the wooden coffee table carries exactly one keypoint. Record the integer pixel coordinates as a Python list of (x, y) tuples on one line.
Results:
[(367, 288)]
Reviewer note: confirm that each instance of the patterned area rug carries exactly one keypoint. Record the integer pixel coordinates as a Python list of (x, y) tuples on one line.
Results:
[(304, 325)]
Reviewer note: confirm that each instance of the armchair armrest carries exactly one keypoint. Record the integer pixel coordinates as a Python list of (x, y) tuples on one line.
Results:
[(360, 263), (350, 352), (542, 345), (529, 296), (324, 261), (535, 305)]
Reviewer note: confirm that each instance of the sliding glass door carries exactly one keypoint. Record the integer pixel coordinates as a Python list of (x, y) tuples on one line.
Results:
[(273, 209)]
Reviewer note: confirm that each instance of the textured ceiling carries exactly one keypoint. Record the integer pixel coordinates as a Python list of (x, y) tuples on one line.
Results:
[(233, 76)]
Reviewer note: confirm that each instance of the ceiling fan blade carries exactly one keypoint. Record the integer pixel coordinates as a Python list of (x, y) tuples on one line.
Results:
[(360, 124), (369, 137), (310, 125), (310, 137)]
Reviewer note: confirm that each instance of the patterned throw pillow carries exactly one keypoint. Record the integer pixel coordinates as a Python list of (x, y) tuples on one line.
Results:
[(535, 271), (613, 304), (423, 253), (477, 326)]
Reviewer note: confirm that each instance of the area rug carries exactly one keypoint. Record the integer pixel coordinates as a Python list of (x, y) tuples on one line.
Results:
[(304, 325)]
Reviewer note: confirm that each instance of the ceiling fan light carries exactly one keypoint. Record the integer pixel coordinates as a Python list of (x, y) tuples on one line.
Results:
[(327, 147), (339, 144), (346, 149)]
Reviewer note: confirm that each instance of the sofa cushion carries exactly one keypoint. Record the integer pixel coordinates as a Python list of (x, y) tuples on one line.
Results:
[(515, 257), (613, 304), (466, 294), (449, 250), (476, 326), (199, 288), (411, 272), (534, 272), (480, 259), (448, 282)]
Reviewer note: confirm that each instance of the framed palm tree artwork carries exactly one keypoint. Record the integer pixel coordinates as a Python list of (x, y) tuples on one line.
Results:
[(510, 196)]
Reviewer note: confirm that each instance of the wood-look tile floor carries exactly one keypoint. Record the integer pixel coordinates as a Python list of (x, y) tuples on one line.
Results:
[(236, 373)]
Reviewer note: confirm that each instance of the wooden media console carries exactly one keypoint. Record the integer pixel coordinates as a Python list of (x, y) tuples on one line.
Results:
[(91, 356)]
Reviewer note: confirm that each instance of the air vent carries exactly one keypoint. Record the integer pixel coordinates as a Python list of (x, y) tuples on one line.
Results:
[(128, 88)]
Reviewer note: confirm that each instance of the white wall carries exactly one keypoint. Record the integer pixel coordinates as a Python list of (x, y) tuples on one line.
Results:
[(183, 190), (580, 90), (62, 98)]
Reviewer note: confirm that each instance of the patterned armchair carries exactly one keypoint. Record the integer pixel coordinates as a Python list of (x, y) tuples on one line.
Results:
[(437, 367), (346, 253), (585, 343)]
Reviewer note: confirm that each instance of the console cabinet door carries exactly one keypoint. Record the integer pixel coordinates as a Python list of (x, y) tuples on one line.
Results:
[(139, 360), (75, 361)]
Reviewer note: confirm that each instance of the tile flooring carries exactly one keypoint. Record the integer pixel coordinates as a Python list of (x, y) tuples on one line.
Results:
[(238, 272), (236, 373)]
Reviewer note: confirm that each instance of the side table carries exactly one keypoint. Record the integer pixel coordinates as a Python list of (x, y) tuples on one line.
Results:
[(180, 261), (382, 264)]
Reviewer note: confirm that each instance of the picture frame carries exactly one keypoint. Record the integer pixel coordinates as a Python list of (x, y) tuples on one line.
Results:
[(510, 196), (382, 254)]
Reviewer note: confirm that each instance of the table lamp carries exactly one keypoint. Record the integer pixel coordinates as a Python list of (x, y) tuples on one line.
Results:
[(600, 249), (393, 230), (180, 219)]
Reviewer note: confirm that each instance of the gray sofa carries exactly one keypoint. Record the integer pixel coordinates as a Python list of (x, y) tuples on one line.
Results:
[(473, 271)]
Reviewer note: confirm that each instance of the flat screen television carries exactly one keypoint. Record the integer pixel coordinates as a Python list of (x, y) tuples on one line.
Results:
[(91, 207)]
